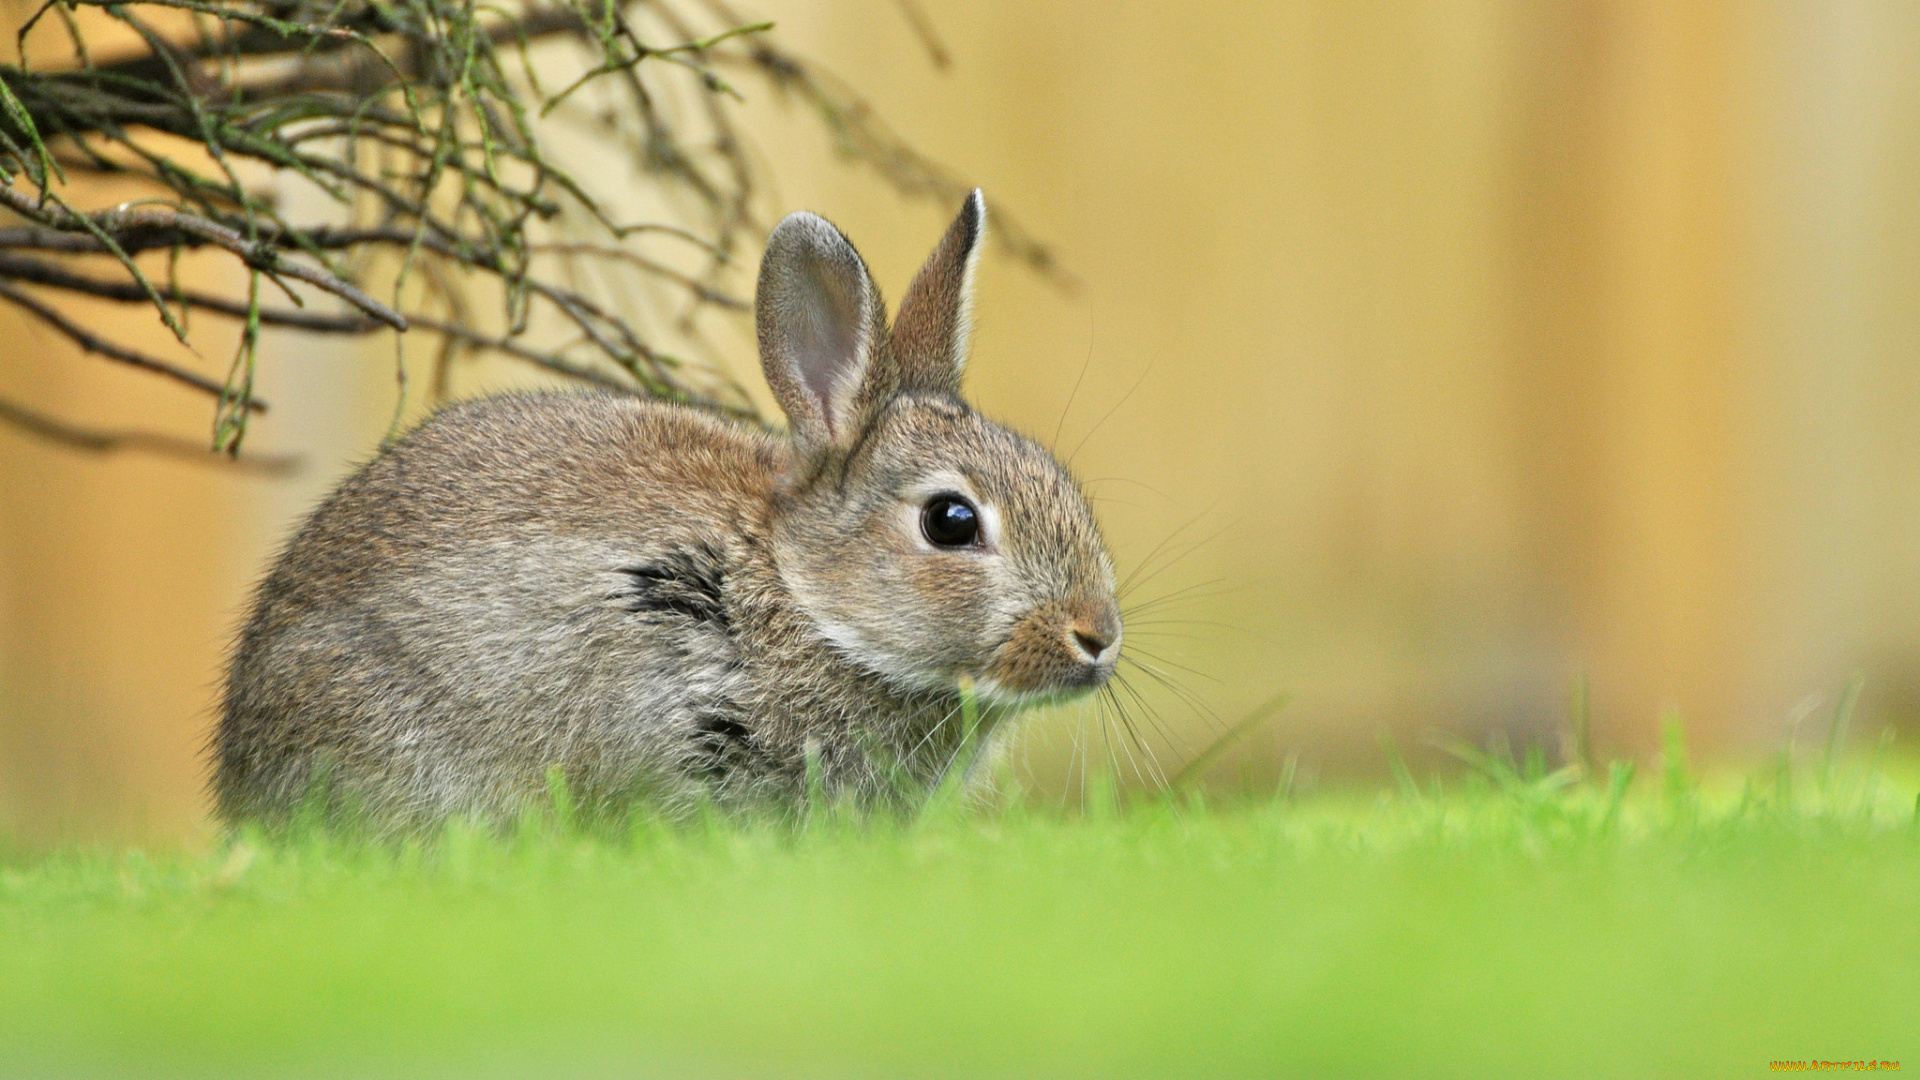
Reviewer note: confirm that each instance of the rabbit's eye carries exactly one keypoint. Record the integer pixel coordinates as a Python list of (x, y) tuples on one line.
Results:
[(950, 521)]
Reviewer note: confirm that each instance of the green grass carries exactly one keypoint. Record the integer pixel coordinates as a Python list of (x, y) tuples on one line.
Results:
[(1521, 924)]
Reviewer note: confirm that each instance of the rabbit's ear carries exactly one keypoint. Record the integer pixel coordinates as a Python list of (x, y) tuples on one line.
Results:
[(820, 323), (929, 340)]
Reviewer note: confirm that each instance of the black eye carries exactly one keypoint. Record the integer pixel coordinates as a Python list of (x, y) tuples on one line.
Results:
[(950, 521)]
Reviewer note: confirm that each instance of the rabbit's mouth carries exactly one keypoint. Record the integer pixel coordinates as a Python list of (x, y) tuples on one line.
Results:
[(1058, 651)]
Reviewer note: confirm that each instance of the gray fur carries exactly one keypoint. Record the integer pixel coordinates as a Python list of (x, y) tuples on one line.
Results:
[(663, 604)]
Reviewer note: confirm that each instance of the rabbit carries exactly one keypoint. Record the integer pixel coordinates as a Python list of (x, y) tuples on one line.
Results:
[(671, 607)]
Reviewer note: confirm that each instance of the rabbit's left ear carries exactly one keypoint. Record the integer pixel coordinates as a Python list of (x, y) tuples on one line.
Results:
[(929, 339)]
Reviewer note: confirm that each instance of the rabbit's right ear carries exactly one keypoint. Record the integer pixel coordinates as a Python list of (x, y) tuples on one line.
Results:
[(820, 322)]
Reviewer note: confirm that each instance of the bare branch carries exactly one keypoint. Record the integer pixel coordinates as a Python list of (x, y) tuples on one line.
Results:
[(700, 290), (507, 346), (261, 257), (423, 122), (21, 268), (91, 441), (88, 342), (922, 28)]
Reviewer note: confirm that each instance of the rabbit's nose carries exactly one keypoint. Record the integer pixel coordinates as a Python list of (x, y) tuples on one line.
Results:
[(1091, 643), (1097, 633)]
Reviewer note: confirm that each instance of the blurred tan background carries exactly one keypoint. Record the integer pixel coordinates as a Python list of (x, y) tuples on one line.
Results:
[(1469, 347)]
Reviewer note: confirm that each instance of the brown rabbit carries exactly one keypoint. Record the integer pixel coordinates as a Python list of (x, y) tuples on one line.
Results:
[(664, 604)]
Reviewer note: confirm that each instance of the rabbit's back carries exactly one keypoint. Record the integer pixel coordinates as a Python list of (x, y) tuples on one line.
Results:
[(522, 583)]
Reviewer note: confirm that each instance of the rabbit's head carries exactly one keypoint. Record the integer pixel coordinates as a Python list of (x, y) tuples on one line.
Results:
[(924, 541)]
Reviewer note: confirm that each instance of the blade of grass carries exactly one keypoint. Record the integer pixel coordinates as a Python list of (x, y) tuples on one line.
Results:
[(1837, 732), (1619, 778), (1675, 769), (1241, 728), (1284, 789), (1580, 724), (1870, 783), (1397, 763)]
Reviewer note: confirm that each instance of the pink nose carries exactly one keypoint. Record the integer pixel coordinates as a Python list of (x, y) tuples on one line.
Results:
[(1095, 632), (1091, 642)]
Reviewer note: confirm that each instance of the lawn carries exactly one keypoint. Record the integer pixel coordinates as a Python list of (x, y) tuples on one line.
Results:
[(1516, 923)]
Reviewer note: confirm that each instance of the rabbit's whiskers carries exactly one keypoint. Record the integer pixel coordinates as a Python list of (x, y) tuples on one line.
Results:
[(933, 732), (1141, 576), (1184, 593), (1124, 398), (1053, 444)]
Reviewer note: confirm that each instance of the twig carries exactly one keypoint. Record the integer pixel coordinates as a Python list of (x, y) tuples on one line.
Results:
[(556, 364), (21, 268), (922, 27), (91, 441), (18, 268), (413, 120), (259, 256), (698, 289), (89, 343)]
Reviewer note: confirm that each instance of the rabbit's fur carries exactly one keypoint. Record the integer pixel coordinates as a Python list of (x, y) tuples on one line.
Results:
[(664, 604)]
